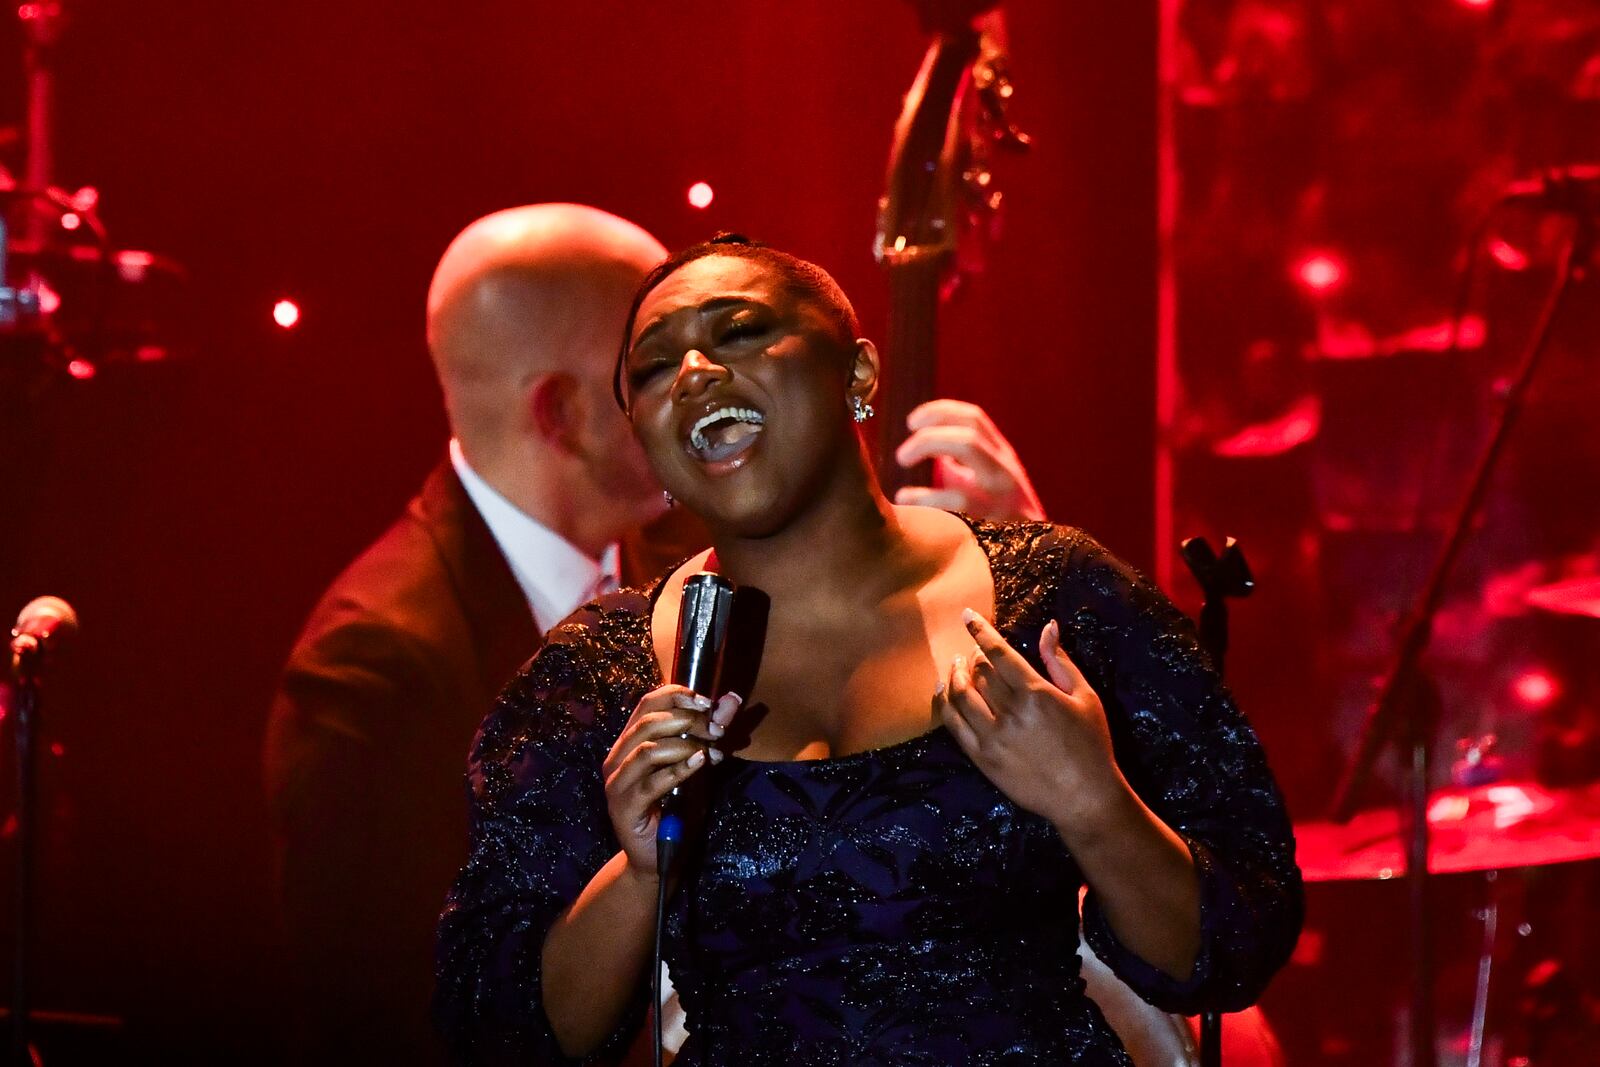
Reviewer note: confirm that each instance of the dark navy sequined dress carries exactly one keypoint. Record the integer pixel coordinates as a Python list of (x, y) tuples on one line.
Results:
[(889, 907)]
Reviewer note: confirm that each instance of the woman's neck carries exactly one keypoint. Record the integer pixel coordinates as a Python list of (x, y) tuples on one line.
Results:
[(842, 547)]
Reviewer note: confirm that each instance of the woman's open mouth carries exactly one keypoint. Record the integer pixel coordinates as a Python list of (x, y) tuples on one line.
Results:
[(719, 437)]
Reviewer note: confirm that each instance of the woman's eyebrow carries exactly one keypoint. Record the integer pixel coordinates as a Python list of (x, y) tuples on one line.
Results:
[(709, 307)]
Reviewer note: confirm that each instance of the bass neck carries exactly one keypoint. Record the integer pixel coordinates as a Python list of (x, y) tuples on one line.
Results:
[(916, 284)]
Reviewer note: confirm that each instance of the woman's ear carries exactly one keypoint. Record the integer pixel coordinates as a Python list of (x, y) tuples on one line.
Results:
[(864, 369)]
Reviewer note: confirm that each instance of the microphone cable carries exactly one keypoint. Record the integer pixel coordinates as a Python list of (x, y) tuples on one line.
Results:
[(669, 834)]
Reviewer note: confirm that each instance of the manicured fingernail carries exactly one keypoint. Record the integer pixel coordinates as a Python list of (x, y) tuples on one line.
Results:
[(958, 665), (938, 690), (971, 618), (695, 759), (716, 755), (714, 728), (702, 703)]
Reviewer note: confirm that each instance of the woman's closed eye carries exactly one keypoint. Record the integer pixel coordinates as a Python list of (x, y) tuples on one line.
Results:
[(646, 371), (740, 330)]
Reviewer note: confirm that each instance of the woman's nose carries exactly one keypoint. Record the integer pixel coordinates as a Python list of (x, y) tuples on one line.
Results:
[(696, 374)]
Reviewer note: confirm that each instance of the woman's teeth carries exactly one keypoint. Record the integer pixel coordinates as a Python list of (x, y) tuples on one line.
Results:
[(725, 432)]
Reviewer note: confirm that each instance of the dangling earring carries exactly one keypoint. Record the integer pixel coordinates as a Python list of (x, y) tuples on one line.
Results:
[(860, 410), (668, 498)]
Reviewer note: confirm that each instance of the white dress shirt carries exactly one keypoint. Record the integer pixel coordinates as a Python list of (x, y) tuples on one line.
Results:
[(555, 575)]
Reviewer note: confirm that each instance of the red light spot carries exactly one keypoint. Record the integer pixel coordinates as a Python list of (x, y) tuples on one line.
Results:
[(1536, 688), (1320, 272), (1507, 255), (57, 749), (81, 369), (1475, 3), (133, 265), (701, 194), (71, 220), (286, 313), (49, 299)]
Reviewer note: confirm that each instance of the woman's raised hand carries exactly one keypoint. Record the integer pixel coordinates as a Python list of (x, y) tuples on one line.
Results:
[(672, 733), (1043, 741)]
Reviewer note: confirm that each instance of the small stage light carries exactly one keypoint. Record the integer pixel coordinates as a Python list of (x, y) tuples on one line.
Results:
[(286, 313), (701, 194), (81, 369), (71, 220), (1320, 272), (1536, 688)]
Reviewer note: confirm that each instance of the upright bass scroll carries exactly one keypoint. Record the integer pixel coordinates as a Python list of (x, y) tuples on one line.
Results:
[(940, 193)]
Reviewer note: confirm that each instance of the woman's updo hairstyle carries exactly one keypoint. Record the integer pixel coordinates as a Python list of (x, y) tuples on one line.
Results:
[(803, 278)]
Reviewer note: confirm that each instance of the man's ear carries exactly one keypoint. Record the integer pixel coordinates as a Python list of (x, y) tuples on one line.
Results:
[(864, 370), (556, 406)]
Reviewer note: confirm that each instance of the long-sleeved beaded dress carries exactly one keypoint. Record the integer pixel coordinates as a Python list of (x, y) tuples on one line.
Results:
[(890, 907)]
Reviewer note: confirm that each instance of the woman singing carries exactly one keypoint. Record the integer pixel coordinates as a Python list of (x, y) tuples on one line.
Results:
[(955, 725)]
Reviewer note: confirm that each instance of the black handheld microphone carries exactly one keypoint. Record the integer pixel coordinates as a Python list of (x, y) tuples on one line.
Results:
[(697, 666)]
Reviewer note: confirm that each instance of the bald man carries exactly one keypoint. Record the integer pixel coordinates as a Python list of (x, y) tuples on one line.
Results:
[(519, 524), (538, 505)]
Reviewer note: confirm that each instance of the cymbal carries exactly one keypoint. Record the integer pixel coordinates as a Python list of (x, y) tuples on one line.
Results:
[(1577, 596), (1485, 828), (132, 265)]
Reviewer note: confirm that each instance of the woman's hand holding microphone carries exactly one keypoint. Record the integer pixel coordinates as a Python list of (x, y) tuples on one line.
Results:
[(672, 733)]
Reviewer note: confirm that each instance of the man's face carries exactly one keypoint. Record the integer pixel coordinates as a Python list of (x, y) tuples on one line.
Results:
[(618, 469)]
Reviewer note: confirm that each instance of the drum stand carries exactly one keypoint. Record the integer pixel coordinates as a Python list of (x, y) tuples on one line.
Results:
[(1407, 704)]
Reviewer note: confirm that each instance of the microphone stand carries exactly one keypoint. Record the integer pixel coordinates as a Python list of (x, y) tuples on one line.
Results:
[(1220, 577), (27, 667), (1407, 706)]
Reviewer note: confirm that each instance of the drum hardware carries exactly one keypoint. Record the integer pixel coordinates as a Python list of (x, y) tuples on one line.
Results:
[(1490, 915), (1494, 827), (1478, 762), (1493, 830), (1406, 708), (69, 300)]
